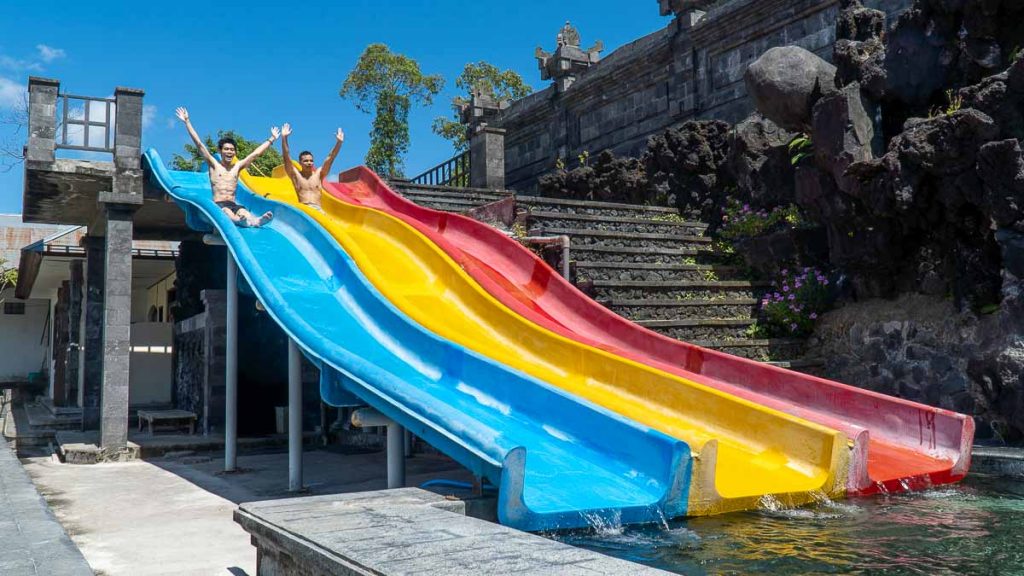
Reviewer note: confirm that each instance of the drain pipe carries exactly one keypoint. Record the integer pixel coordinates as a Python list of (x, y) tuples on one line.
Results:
[(396, 442), (550, 240)]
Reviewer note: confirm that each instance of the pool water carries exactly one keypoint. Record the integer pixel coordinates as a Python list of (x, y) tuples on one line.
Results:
[(976, 527)]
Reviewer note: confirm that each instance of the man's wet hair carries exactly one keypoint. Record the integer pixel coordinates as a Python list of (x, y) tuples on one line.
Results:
[(305, 153), (223, 141)]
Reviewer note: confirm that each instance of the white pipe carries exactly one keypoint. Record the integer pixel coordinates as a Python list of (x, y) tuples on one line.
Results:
[(365, 417), (231, 372), (294, 417), (563, 240)]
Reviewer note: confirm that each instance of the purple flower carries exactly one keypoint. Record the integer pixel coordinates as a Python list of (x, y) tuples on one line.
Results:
[(792, 297), (785, 272), (798, 284), (814, 315), (746, 207), (793, 327), (785, 288), (825, 281)]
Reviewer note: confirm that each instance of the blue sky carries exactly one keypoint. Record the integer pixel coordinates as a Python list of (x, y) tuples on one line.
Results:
[(248, 66)]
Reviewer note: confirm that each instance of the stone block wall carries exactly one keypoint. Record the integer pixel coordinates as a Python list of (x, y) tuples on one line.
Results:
[(662, 80)]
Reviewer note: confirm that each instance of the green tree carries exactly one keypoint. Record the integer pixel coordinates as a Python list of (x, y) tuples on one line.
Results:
[(8, 277), (387, 84), (193, 160), (487, 78)]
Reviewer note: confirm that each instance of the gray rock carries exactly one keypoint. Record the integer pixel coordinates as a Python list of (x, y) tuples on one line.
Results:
[(844, 132), (759, 161), (786, 82)]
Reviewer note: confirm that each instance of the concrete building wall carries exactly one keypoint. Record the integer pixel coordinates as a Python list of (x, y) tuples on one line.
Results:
[(23, 342), (151, 373), (662, 80), (157, 302)]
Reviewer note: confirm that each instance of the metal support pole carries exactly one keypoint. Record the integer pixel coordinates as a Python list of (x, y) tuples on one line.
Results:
[(365, 417), (294, 417), (231, 376), (396, 456)]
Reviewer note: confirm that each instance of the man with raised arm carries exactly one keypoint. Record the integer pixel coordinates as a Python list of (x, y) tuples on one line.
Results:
[(309, 180), (224, 175)]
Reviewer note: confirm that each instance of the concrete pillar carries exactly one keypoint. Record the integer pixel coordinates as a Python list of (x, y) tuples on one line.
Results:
[(117, 306), (231, 369), (71, 369), (487, 157), (92, 384), (294, 417), (42, 119), (128, 145)]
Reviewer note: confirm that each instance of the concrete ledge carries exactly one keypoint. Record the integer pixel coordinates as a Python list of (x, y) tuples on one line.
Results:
[(1001, 461), (33, 540), (403, 531)]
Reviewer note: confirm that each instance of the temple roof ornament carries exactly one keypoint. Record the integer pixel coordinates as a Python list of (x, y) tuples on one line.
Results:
[(481, 107), (688, 12), (568, 60)]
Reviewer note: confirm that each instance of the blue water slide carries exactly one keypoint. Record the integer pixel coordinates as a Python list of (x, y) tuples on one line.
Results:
[(558, 461)]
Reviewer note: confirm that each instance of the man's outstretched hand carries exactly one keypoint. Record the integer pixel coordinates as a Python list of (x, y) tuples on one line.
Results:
[(275, 133), (182, 114), (286, 130), (341, 135)]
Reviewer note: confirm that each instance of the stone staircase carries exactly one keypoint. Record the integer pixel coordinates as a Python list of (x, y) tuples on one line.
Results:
[(644, 263)]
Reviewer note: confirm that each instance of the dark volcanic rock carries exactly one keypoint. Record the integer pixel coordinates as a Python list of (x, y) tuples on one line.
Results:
[(759, 161), (1001, 169), (859, 51), (688, 162), (608, 179), (785, 82), (844, 132)]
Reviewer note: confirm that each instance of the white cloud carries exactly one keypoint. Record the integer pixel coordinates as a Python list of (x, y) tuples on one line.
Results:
[(19, 65), (12, 94), (148, 115), (49, 54)]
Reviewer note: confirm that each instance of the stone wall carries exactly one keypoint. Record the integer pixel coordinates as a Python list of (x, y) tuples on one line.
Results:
[(673, 75)]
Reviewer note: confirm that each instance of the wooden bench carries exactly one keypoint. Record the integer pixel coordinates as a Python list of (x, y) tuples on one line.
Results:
[(168, 416)]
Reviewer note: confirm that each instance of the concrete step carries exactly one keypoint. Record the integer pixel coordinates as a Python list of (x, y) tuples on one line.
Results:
[(659, 224), (672, 309), (599, 253), (679, 290), (447, 204), (655, 272), (688, 330), (764, 350), (614, 239), (40, 415), (607, 209)]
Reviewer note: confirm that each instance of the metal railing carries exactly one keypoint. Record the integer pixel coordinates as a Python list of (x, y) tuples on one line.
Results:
[(86, 123), (452, 172)]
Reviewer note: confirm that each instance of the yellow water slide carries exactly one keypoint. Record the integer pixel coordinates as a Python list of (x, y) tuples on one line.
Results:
[(742, 452)]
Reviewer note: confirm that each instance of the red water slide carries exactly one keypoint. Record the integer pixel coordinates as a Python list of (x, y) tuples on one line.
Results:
[(897, 445)]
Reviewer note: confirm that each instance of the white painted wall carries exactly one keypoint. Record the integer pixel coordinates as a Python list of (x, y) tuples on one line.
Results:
[(150, 376), (23, 346)]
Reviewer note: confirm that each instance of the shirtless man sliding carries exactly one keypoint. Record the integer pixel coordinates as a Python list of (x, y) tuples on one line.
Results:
[(309, 180), (224, 176)]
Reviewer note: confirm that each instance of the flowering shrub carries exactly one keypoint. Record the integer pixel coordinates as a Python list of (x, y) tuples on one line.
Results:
[(796, 300), (742, 221)]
